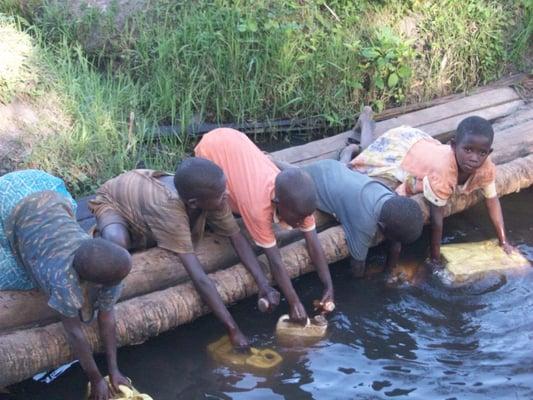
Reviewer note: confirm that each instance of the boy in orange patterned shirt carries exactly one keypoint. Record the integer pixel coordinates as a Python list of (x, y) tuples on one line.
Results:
[(420, 164)]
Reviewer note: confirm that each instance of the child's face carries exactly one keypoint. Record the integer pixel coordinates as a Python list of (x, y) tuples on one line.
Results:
[(471, 152), (216, 202), (290, 216)]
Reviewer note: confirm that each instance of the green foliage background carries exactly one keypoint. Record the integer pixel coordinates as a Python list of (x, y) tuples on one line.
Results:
[(236, 61)]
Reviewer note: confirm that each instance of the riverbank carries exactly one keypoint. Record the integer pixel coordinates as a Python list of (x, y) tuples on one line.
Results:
[(222, 62)]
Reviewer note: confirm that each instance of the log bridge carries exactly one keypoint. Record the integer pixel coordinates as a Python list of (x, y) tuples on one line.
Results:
[(158, 295)]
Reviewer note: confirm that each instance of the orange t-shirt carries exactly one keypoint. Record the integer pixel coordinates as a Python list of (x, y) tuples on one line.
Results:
[(251, 181), (421, 164)]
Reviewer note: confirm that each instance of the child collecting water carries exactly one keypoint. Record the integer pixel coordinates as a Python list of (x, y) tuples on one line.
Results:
[(412, 159)]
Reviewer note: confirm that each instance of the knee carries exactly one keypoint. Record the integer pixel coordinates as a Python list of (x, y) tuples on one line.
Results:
[(117, 234)]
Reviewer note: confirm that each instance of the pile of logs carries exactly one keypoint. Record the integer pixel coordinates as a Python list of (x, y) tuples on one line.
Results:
[(158, 295)]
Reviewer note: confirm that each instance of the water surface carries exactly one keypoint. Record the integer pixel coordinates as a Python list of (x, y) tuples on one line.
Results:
[(419, 342)]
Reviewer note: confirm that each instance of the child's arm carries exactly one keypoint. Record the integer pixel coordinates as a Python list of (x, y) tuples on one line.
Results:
[(357, 268), (249, 260), (437, 218), (82, 351), (316, 252), (393, 256), (107, 324), (209, 294), (297, 311), (496, 216)]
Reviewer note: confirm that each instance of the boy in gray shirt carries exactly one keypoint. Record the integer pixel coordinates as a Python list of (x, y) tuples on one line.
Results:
[(364, 206)]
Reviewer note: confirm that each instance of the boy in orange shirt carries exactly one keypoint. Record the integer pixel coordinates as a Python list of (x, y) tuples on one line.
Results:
[(263, 195), (420, 164)]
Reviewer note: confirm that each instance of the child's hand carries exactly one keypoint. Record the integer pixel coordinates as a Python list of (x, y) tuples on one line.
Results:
[(434, 264), (99, 390), (239, 341), (270, 296), (326, 304), (509, 249), (297, 313), (116, 379)]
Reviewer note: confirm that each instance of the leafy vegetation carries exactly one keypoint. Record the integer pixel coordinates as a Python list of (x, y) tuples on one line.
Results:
[(236, 61)]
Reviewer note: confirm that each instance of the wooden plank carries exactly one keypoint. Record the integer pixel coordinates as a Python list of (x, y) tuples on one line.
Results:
[(29, 351), (443, 127), (511, 80), (459, 107), (516, 141), (441, 130), (446, 112), (523, 114)]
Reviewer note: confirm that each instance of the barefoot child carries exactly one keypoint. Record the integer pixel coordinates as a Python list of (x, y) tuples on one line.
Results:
[(143, 208), (43, 246), (421, 164), (364, 207), (262, 195)]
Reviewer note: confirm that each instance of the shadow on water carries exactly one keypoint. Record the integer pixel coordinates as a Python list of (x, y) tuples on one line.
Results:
[(420, 342)]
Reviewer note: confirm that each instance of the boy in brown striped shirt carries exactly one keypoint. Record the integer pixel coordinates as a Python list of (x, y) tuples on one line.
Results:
[(143, 208)]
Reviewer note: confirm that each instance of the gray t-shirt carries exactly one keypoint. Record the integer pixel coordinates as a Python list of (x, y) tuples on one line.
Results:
[(354, 199)]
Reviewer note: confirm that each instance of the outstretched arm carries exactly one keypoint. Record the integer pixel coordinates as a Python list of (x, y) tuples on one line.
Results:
[(82, 351), (107, 323), (316, 252), (496, 216), (357, 268), (209, 294), (393, 256), (248, 258), (437, 218), (297, 311)]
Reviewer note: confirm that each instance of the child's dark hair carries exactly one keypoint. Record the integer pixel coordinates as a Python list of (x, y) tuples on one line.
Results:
[(403, 219), (474, 126), (296, 188), (101, 261), (198, 177)]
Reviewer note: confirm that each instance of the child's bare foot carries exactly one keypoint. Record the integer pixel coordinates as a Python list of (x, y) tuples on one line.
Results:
[(349, 152), (365, 119), (368, 127)]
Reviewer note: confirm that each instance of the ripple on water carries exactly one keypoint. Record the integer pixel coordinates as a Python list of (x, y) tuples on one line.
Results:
[(426, 342)]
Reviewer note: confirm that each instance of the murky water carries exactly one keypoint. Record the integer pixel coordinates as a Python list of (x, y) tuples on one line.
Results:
[(426, 342)]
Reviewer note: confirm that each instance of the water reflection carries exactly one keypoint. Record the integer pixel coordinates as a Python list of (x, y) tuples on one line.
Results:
[(421, 342)]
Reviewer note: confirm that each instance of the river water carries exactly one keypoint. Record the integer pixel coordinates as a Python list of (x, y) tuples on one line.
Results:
[(417, 342)]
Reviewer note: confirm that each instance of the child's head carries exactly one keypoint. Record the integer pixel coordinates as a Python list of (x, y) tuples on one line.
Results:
[(201, 184), (102, 262), (401, 219), (295, 196), (472, 143)]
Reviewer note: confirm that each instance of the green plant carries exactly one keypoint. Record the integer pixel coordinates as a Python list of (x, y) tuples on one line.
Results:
[(387, 63)]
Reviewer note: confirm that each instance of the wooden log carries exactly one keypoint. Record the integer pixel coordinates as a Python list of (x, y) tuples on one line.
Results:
[(158, 269), (154, 269), (29, 351), (437, 121)]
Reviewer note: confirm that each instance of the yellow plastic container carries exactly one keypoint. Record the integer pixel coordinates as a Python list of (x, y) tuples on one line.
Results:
[(262, 360), (293, 333), (465, 262), (125, 393)]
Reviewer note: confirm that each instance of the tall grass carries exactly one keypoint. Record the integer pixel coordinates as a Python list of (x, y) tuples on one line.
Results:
[(235, 61)]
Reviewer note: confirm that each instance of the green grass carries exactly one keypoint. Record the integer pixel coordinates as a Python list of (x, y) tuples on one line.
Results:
[(237, 61)]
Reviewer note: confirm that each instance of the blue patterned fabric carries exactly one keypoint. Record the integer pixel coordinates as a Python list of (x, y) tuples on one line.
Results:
[(44, 236), (14, 187)]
